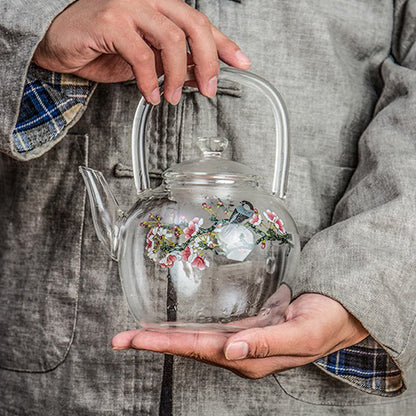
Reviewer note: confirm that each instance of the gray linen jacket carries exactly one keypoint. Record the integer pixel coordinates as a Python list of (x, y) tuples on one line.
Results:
[(347, 70)]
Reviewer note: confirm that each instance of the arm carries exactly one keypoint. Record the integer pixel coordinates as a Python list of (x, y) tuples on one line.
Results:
[(21, 29), (102, 41), (366, 260)]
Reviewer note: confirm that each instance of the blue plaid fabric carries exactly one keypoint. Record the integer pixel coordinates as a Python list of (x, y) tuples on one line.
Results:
[(52, 102), (365, 365)]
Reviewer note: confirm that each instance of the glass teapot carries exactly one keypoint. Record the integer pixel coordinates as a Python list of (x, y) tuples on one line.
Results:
[(208, 249)]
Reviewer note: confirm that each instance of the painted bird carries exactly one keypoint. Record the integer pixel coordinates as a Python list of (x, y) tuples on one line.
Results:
[(242, 212)]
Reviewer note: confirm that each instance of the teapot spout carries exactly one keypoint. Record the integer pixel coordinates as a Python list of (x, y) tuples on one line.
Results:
[(106, 213)]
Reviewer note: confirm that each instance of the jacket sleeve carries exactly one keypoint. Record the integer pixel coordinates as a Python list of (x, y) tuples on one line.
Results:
[(366, 260), (22, 26)]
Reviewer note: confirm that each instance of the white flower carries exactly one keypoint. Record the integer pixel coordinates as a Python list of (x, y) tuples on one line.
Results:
[(161, 231), (152, 255), (236, 241)]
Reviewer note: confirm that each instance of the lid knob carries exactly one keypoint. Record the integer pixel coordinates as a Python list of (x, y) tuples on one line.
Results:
[(212, 146)]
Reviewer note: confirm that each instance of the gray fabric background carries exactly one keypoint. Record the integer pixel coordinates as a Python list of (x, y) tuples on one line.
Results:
[(351, 191)]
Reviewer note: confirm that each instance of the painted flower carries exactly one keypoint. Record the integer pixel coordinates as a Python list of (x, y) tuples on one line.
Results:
[(272, 217), (193, 227), (183, 246), (150, 241), (197, 242), (161, 231), (186, 253), (255, 219), (236, 241), (200, 263), (152, 254), (169, 260)]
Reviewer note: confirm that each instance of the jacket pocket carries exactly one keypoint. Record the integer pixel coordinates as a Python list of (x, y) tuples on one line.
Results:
[(309, 384), (41, 211)]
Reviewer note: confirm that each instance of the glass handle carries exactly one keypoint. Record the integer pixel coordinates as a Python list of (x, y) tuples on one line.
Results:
[(281, 162)]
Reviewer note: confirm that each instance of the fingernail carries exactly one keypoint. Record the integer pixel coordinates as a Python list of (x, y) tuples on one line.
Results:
[(236, 351), (176, 96), (155, 96), (117, 348), (242, 58), (212, 87)]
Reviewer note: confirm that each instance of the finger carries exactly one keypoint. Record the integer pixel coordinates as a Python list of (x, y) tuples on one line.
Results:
[(142, 60), (289, 338), (170, 40), (200, 346), (209, 348), (197, 28), (122, 341), (158, 61), (228, 51)]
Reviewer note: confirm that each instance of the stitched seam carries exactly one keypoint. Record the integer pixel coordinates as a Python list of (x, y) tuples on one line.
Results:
[(408, 338), (338, 404)]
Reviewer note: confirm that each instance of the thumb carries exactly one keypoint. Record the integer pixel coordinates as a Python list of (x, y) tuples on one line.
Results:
[(288, 338)]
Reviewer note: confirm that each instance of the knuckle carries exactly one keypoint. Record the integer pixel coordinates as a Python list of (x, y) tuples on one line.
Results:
[(261, 349), (176, 36), (196, 356), (200, 20), (145, 57), (110, 15), (233, 46)]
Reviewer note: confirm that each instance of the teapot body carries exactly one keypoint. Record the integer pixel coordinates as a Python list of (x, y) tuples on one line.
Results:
[(205, 258), (208, 249)]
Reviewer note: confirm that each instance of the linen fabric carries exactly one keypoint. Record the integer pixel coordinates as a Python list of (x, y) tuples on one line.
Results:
[(350, 191), (51, 101)]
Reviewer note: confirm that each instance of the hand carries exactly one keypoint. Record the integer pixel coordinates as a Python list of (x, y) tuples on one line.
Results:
[(314, 326), (114, 41)]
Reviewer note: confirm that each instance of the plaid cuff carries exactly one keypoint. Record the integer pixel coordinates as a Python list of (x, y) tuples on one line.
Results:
[(367, 366), (51, 102)]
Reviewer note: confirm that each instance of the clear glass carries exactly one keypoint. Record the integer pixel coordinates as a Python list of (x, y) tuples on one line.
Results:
[(215, 270), (208, 250)]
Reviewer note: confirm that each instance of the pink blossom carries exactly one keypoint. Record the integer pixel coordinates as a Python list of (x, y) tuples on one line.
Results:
[(255, 219), (200, 263), (279, 223), (168, 261), (193, 227), (186, 253), (150, 242), (272, 217)]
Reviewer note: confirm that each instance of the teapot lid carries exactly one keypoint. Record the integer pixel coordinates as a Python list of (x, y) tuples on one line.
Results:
[(212, 168)]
